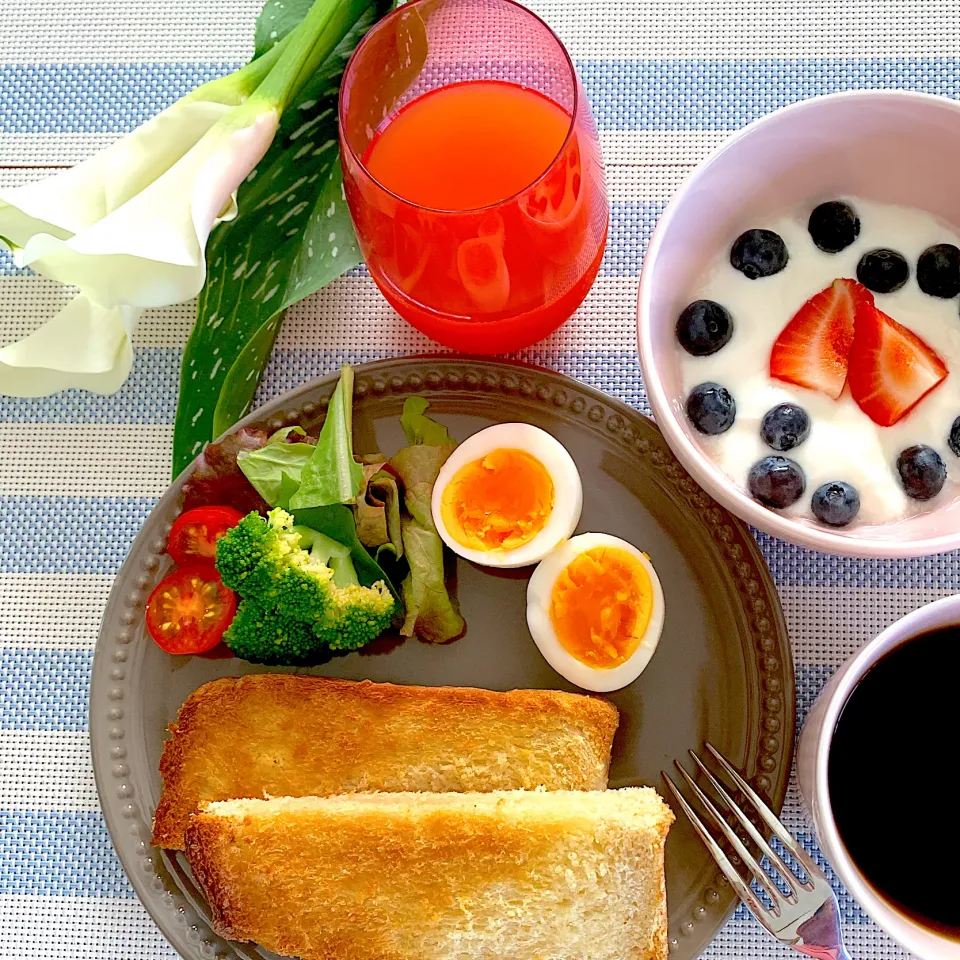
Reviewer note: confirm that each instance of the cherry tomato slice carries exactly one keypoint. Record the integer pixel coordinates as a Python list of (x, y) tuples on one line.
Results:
[(194, 535), (189, 610)]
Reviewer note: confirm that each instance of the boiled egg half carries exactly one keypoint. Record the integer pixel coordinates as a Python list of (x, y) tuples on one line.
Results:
[(507, 496), (595, 610)]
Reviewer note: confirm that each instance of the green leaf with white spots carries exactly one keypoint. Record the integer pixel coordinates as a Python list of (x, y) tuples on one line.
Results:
[(276, 20), (323, 248), (292, 236), (246, 370)]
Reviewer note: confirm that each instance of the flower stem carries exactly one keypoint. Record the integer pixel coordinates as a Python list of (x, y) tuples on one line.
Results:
[(239, 85), (311, 43)]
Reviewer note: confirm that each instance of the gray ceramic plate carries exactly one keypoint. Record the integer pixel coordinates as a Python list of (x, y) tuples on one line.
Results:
[(722, 672)]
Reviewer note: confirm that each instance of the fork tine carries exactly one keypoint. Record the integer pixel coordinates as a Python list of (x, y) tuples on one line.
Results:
[(769, 817), (788, 875), (775, 895), (723, 862)]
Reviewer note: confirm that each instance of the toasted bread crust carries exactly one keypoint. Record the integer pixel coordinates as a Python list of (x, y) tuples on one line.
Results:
[(292, 735), (514, 875)]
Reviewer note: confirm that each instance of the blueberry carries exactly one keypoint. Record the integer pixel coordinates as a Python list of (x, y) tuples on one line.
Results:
[(776, 482), (833, 226), (759, 253), (953, 441), (938, 271), (704, 327), (922, 472), (785, 426), (835, 503), (882, 270), (711, 409)]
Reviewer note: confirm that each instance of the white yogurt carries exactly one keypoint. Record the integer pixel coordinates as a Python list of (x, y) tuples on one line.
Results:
[(844, 443)]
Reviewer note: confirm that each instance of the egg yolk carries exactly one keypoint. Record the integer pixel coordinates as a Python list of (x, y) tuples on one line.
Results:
[(601, 605), (499, 502)]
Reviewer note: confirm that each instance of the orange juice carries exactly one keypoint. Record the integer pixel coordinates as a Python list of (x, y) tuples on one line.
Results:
[(481, 212), (468, 145)]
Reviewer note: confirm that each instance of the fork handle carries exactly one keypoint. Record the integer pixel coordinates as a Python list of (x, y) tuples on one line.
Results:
[(820, 935), (838, 952)]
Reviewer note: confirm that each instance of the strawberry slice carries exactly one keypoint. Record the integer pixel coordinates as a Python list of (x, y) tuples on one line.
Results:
[(891, 368), (813, 348)]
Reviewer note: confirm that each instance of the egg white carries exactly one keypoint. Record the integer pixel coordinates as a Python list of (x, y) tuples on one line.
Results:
[(567, 491), (539, 592)]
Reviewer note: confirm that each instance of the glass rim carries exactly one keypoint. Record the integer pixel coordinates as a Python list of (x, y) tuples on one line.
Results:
[(539, 178)]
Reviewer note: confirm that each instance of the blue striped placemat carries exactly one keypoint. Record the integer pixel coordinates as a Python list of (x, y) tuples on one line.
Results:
[(78, 473)]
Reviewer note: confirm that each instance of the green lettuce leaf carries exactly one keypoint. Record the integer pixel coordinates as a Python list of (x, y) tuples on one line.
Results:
[(430, 611), (418, 428), (299, 475), (371, 516), (378, 511), (383, 487), (274, 470), (332, 475), (418, 467)]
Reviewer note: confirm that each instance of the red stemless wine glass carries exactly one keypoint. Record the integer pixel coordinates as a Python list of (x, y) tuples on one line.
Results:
[(490, 277)]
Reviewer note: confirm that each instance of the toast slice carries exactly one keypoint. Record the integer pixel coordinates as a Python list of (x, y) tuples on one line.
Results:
[(405, 876), (295, 736)]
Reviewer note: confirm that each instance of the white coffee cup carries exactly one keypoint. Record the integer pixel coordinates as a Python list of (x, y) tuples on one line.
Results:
[(813, 752)]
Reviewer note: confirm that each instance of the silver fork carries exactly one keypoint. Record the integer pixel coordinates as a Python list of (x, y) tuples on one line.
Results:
[(808, 918)]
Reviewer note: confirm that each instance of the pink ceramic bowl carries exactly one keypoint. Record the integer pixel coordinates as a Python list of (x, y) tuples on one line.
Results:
[(889, 146)]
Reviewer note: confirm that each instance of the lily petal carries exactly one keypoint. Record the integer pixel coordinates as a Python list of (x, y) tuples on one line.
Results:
[(86, 345), (68, 202), (149, 252)]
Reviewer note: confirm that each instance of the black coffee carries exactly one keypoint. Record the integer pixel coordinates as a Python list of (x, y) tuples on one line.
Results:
[(894, 781)]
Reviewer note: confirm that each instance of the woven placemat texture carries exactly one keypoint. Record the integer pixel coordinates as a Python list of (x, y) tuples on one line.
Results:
[(668, 80)]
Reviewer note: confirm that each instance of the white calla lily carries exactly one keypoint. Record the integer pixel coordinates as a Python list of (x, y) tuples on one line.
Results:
[(85, 345), (149, 250), (68, 202), (130, 225)]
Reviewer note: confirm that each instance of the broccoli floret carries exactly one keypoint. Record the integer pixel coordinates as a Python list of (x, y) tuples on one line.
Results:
[(264, 560), (240, 553), (263, 636), (357, 616), (313, 596), (326, 551)]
